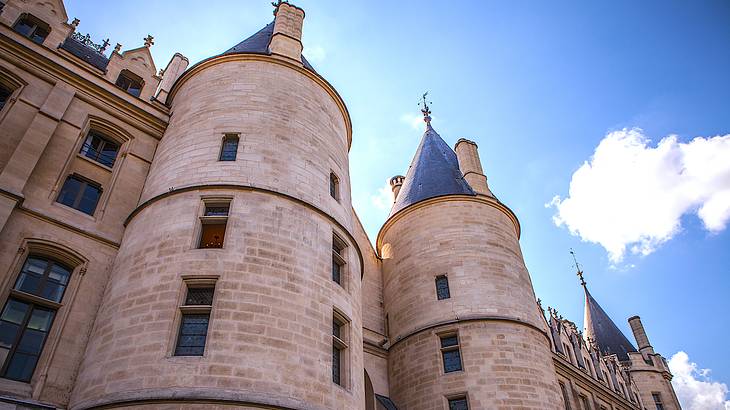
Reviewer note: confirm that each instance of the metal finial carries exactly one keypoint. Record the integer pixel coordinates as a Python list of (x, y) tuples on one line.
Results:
[(104, 45), (117, 48), (425, 109), (577, 268), (149, 40), (75, 23)]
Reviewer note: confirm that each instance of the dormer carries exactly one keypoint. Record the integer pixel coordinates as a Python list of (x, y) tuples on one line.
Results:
[(43, 22), (134, 71)]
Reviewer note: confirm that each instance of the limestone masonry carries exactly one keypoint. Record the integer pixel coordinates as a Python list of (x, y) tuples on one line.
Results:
[(185, 239)]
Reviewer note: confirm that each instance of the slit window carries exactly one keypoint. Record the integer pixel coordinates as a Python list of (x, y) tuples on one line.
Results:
[(100, 149), (458, 403), (5, 94), (229, 148), (334, 186), (339, 349), (450, 353), (130, 82), (213, 225), (566, 398), (584, 402), (80, 194), (442, 287), (33, 28), (338, 260), (657, 401), (26, 321), (194, 320)]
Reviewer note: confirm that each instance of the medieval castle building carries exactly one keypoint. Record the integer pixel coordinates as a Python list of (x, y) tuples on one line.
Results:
[(185, 239)]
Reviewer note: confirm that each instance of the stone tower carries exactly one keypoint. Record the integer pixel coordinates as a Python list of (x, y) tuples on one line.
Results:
[(462, 322), (238, 277)]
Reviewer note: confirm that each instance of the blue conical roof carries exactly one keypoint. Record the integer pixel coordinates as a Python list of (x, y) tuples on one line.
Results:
[(599, 327), (434, 172), (259, 44)]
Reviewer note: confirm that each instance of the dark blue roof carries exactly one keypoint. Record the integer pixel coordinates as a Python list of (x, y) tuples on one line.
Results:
[(434, 172), (599, 327), (85, 53), (259, 44)]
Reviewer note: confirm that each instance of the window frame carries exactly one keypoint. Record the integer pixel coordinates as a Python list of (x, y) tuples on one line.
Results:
[(37, 23), (584, 403), (206, 220), (184, 309), (457, 396), (444, 278), (657, 398), (334, 186), (566, 396), (132, 78), (443, 350), (85, 149), (229, 137), (339, 259), (340, 346), (85, 182)]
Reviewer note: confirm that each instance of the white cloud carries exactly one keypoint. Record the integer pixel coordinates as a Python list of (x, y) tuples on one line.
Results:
[(383, 199), (693, 386), (632, 195), (414, 120), (315, 53)]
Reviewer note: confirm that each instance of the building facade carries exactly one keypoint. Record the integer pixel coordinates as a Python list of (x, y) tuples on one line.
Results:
[(185, 238)]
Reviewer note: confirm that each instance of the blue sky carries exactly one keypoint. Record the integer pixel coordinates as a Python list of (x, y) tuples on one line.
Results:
[(540, 86)]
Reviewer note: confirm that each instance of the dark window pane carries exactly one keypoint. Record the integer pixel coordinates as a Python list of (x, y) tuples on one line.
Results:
[(336, 328), (21, 367), (53, 291), (59, 273), (452, 361), (5, 94), (8, 334), (336, 271), (212, 235), (135, 89), (41, 319), (458, 404), (336, 365), (334, 186), (216, 211), (39, 35), (15, 311), (127, 83), (193, 331), (100, 149), (189, 351), (70, 191), (28, 282), (89, 199), (449, 341), (199, 296), (31, 342), (229, 149), (24, 27), (442, 287)]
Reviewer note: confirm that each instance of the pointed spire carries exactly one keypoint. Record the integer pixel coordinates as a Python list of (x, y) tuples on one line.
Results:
[(577, 268)]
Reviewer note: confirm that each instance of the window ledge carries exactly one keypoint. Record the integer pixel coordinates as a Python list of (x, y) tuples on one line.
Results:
[(28, 297), (75, 211)]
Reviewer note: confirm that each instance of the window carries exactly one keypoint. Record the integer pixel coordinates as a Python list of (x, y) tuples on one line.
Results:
[(80, 194), (194, 320), (450, 353), (584, 402), (229, 148), (130, 82), (442, 287), (458, 403), (566, 398), (338, 260), (100, 149), (334, 186), (213, 224), (5, 94), (33, 28), (568, 352), (25, 321), (658, 401), (339, 349)]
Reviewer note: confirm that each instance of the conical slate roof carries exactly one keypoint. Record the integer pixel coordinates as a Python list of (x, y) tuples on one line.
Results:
[(434, 172), (259, 44), (599, 327)]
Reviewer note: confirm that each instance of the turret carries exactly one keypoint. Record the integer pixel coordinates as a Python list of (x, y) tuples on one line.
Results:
[(471, 166), (286, 40), (395, 185), (640, 335)]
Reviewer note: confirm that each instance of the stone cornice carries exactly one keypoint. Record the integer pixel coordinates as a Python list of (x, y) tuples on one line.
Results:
[(489, 201), (224, 58)]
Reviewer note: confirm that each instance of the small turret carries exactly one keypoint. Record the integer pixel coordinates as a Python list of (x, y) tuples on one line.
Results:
[(286, 39), (642, 340), (395, 184), (471, 166)]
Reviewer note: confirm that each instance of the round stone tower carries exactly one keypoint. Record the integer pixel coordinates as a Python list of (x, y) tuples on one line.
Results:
[(463, 322), (238, 278)]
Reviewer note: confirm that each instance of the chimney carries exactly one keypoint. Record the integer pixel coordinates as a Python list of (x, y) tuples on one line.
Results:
[(471, 166), (640, 335), (286, 40), (395, 183), (178, 63)]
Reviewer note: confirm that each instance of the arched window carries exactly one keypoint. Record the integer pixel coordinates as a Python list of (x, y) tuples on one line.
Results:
[(32, 27), (100, 148), (28, 314), (130, 82)]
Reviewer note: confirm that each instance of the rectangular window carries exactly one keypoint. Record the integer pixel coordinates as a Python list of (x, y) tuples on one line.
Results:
[(658, 401), (334, 186), (25, 322), (458, 403), (33, 28), (100, 149), (213, 224), (229, 148), (584, 402), (338, 260), (339, 349), (450, 353), (194, 320), (442, 287), (80, 194), (130, 82), (566, 398)]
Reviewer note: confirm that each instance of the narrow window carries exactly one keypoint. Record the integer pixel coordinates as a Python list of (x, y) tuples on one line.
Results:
[(584, 402), (80, 194), (442, 287), (458, 403), (566, 398), (568, 352), (130, 82), (213, 225), (100, 149), (5, 94), (194, 320), (26, 320), (229, 148), (658, 401), (338, 260), (339, 349), (33, 28), (334, 186), (450, 353)]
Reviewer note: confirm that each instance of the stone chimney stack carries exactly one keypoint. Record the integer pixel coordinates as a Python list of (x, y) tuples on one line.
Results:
[(640, 335), (395, 183), (177, 65), (471, 166), (287, 38)]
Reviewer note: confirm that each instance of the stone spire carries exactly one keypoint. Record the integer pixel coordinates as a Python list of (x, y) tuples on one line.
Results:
[(598, 327)]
